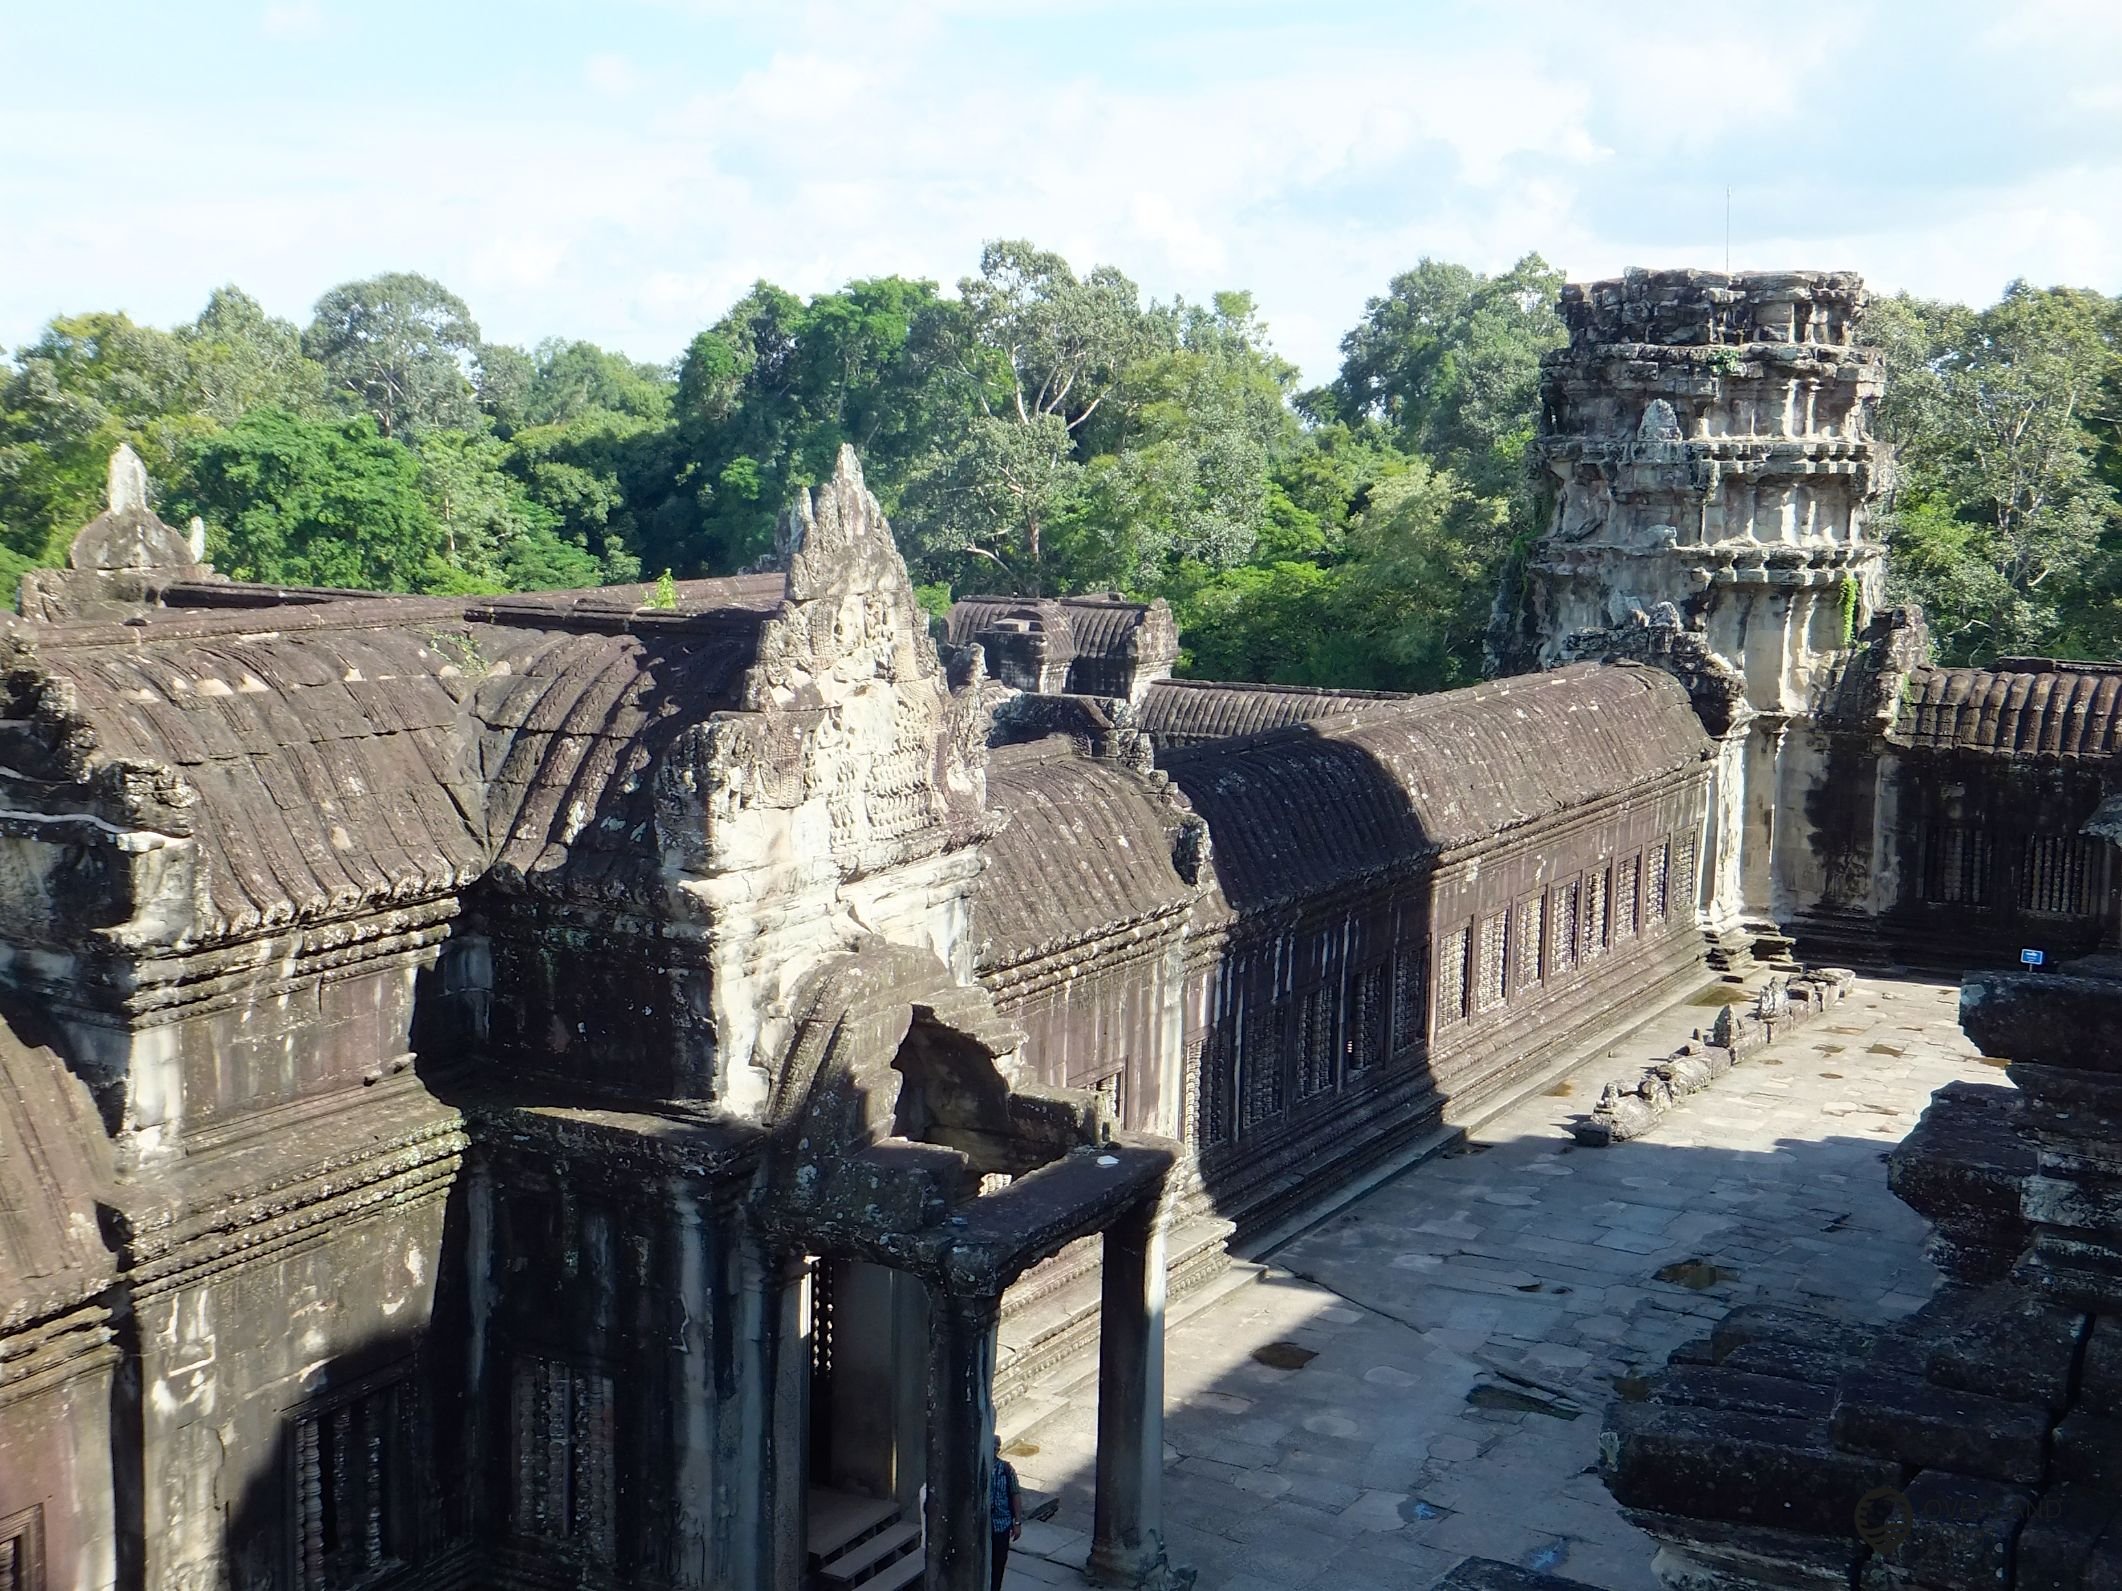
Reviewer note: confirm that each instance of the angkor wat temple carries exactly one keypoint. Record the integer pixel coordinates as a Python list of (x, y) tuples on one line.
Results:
[(563, 1091)]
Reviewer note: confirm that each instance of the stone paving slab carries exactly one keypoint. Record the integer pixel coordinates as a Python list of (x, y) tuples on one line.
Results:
[(1471, 1319)]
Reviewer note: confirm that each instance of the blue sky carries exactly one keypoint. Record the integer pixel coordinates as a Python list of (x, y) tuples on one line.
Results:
[(622, 171)]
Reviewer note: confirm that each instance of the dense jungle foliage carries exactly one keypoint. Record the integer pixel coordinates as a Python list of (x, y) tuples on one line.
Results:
[(1035, 431)]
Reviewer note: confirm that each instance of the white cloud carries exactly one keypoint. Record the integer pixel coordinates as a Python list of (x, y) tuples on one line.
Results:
[(1232, 147)]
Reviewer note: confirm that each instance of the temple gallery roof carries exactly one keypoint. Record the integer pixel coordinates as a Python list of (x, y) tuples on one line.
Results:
[(1088, 846), (350, 749), (2026, 707), (1186, 712), (1097, 640), (1297, 810)]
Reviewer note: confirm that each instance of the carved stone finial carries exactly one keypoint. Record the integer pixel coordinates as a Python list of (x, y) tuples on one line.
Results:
[(195, 534), (1659, 423), (127, 492), (127, 534)]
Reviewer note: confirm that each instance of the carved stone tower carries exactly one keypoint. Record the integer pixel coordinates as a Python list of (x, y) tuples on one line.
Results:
[(1705, 444)]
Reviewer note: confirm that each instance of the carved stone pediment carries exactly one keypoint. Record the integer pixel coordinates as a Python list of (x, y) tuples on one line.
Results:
[(851, 735)]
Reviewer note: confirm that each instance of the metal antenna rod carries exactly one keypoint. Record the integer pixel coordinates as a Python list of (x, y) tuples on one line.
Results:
[(1727, 231)]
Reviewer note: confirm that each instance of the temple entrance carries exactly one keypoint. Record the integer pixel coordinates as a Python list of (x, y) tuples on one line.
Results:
[(869, 1323), (916, 1183), (868, 1379)]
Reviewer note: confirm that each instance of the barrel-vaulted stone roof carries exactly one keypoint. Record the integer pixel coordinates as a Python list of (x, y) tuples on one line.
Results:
[(2025, 707), (1295, 811), (1087, 846), (1186, 712), (363, 750)]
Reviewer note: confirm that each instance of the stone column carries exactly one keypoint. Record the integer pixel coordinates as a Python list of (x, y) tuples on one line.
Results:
[(784, 1367), (1722, 885), (1127, 1540), (961, 1436)]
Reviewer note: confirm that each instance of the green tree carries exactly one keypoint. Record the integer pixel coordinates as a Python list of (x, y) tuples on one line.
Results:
[(1427, 550), (589, 477), (2005, 523), (238, 358), (1450, 359), (88, 384), (766, 397), (482, 509), (402, 347), (316, 502), (1182, 457), (1035, 353), (505, 378), (568, 379)]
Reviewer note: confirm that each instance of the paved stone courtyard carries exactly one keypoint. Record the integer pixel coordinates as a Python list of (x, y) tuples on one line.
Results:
[(1395, 1389)]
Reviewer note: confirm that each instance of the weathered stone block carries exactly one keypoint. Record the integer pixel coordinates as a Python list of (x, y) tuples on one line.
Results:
[(2089, 1451), (1751, 1323), (2100, 1377), (1897, 1417), (2073, 1542), (1719, 1387), (1959, 1533), (1710, 1555), (2048, 1019), (1963, 1168), (2020, 1348), (1752, 1469), (1792, 1362)]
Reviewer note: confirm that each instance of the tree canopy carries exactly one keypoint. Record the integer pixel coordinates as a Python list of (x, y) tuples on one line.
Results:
[(1039, 428)]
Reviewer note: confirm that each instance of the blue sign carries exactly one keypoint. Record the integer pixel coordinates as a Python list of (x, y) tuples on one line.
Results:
[(2033, 958)]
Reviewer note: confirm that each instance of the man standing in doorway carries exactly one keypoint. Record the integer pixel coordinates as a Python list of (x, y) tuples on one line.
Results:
[(1005, 1511)]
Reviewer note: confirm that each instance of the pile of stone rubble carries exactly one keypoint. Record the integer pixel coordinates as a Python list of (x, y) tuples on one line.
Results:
[(1630, 1109)]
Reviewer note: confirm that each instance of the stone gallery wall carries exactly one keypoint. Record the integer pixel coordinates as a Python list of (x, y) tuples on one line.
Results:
[(1483, 879), (1948, 808)]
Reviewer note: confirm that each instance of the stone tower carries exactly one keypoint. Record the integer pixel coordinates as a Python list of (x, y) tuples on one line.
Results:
[(1704, 444)]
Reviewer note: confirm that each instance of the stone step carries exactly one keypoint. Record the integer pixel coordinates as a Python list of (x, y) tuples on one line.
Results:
[(838, 1520), (861, 1563), (1062, 1324), (899, 1572)]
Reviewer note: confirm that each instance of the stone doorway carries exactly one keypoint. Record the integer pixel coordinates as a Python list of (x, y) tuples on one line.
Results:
[(928, 1177), (868, 1425)]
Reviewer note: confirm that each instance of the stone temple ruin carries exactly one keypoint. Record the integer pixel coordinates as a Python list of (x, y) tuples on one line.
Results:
[(550, 1090)]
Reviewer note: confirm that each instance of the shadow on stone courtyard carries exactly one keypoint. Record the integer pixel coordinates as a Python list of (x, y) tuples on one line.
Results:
[(1421, 1377)]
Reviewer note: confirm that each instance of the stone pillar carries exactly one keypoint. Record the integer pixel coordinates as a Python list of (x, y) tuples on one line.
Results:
[(782, 1365), (961, 1437), (1127, 1541), (1722, 885)]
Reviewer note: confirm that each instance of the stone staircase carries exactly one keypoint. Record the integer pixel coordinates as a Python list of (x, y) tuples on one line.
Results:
[(861, 1541)]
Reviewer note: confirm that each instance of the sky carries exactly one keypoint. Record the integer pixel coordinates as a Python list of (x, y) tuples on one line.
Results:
[(622, 171)]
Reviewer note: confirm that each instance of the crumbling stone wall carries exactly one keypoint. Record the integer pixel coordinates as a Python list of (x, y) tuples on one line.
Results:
[(1972, 1443)]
